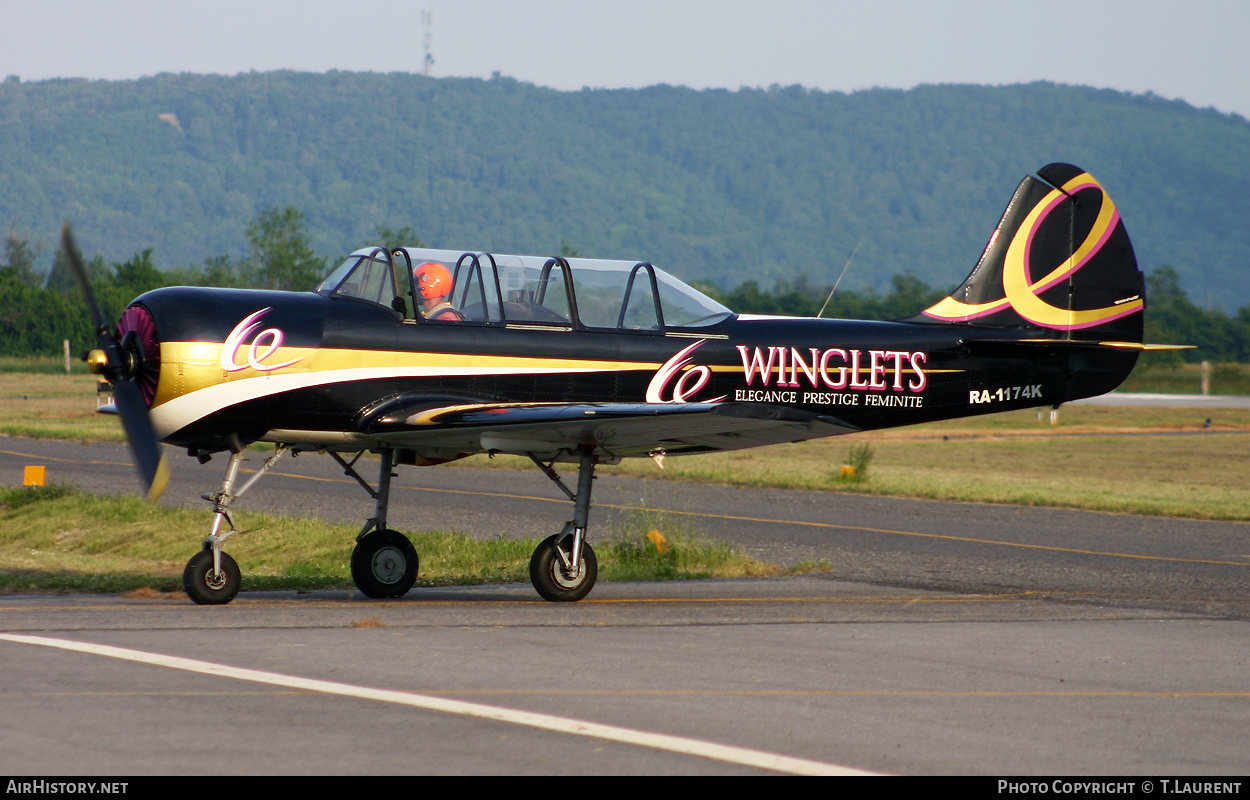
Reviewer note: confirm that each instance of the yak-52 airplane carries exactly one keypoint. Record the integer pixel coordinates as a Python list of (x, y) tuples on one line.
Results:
[(589, 362)]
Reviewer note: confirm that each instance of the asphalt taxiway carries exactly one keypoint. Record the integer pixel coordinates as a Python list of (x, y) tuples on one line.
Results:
[(947, 638)]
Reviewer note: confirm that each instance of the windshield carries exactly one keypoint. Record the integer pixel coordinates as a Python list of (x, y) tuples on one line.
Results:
[(336, 276), (367, 275), (687, 307)]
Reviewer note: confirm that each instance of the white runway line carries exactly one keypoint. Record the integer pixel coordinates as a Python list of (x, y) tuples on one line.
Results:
[(659, 741)]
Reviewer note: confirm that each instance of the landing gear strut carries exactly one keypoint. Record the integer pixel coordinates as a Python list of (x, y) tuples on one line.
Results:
[(563, 567), (212, 577), (384, 562)]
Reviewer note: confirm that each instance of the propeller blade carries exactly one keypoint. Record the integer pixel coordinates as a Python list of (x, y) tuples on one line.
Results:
[(149, 457), (146, 448), (80, 273)]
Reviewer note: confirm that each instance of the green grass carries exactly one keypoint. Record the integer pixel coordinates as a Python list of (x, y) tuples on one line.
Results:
[(59, 539), (1196, 477), (51, 405), (1153, 461), (43, 365), (854, 468), (650, 544), (1187, 379)]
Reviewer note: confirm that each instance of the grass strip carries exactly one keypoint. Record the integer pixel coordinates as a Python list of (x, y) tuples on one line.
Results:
[(60, 539), (1157, 462)]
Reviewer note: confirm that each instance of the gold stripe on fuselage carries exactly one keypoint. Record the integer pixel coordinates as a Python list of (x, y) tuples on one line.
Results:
[(188, 367)]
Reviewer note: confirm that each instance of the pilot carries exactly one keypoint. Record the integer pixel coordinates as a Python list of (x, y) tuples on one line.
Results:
[(434, 284)]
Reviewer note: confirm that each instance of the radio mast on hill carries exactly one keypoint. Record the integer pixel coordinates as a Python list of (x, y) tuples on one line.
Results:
[(427, 24)]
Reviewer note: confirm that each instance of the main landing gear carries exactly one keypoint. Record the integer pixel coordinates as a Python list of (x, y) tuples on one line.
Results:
[(384, 563), (563, 567)]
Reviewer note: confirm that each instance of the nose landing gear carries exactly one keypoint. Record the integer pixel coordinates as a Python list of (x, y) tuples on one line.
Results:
[(212, 577)]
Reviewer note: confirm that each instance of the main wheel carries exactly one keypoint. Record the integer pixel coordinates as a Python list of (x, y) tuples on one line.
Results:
[(384, 564), (208, 588), (552, 580)]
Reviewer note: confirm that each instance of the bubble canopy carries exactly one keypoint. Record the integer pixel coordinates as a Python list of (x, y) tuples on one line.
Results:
[(489, 288)]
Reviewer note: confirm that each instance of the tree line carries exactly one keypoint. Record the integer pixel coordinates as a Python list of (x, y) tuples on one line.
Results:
[(729, 186), (1171, 317), (38, 311)]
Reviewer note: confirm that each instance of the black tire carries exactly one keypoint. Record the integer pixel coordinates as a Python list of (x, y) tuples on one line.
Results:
[(551, 580), (384, 565), (205, 588)]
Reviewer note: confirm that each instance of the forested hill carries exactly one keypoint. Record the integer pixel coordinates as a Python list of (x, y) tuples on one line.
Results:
[(719, 185)]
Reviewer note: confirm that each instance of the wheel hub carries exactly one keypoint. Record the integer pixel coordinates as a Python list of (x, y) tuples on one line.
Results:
[(215, 580), (568, 578), (389, 565)]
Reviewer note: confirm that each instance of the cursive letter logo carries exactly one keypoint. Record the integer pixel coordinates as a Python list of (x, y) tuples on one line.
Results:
[(1023, 294), (688, 384), (230, 348)]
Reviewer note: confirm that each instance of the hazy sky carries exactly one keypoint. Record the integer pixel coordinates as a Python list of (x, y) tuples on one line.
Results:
[(1195, 50)]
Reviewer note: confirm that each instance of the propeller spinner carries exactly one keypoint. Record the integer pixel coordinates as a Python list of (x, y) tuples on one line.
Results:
[(126, 372)]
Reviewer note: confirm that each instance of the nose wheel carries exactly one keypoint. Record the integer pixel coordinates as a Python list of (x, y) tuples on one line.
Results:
[(207, 585)]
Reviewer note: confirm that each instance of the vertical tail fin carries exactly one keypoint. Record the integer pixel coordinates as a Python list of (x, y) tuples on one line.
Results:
[(1059, 261)]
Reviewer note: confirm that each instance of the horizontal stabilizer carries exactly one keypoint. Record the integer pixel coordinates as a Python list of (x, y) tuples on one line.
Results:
[(1083, 344)]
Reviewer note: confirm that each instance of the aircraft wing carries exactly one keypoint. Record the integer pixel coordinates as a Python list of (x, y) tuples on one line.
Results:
[(615, 429)]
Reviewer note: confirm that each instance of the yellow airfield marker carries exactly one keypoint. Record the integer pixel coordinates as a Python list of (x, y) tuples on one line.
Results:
[(34, 476)]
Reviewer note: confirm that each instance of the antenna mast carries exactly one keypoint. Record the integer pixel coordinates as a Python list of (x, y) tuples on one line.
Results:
[(839, 280), (427, 24)]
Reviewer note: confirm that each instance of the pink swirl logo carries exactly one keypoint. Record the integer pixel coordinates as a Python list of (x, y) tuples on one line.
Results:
[(265, 344), (690, 383)]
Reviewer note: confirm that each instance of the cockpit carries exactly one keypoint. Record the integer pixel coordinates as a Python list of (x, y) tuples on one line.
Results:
[(454, 287)]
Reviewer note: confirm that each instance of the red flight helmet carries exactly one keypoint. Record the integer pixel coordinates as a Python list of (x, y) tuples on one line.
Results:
[(433, 280)]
